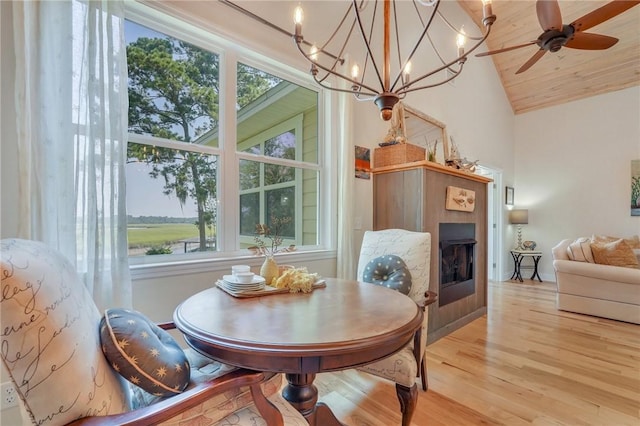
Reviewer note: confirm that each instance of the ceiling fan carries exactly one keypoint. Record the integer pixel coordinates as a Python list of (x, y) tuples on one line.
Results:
[(556, 34)]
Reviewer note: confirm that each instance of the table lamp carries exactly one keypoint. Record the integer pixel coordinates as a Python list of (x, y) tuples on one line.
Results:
[(519, 217)]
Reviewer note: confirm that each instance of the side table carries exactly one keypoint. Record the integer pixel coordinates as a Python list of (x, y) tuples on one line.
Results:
[(518, 256)]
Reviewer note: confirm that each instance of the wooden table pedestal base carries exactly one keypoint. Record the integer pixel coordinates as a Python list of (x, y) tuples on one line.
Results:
[(303, 396)]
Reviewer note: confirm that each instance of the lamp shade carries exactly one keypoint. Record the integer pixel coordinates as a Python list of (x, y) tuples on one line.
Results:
[(519, 216)]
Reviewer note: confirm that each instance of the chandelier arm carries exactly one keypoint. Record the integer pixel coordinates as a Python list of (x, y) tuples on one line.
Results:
[(349, 79), (320, 80), (344, 46), (415, 6), (454, 75), (367, 57), (457, 31), (344, 18), (415, 48), (335, 73), (366, 42), (337, 89), (357, 97), (346, 41), (395, 20), (329, 70), (271, 25), (460, 60), (435, 49)]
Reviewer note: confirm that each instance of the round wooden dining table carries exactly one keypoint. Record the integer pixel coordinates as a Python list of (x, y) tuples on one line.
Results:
[(343, 325)]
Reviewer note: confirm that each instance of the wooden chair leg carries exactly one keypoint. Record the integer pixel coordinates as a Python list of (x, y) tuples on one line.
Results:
[(408, 400), (423, 374), (270, 413)]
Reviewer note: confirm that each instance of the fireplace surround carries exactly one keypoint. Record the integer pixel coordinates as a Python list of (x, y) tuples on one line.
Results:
[(413, 196), (457, 261)]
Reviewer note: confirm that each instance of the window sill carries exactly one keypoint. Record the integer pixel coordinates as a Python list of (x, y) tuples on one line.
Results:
[(221, 264)]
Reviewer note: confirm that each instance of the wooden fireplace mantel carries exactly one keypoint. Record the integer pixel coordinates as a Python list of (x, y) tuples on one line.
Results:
[(430, 165)]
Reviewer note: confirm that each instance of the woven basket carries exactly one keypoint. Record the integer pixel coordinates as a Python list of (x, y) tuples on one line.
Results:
[(398, 154)]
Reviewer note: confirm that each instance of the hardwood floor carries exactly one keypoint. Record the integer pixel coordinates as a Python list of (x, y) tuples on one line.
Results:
[(524, 363)]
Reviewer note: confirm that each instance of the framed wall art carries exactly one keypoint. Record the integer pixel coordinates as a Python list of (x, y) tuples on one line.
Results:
[(363, 162), (460, 199), (508, 196)]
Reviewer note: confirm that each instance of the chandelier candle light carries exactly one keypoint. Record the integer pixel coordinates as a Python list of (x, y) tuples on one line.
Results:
[(377, 85)]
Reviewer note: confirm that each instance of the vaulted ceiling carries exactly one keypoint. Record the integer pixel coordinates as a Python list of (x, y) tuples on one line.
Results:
[(568, 74)]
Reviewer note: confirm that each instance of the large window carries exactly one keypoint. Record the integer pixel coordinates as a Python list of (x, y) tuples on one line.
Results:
[(179, 155)]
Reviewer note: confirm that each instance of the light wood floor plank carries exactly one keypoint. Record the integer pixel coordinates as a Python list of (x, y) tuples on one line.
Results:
[(524, 363)]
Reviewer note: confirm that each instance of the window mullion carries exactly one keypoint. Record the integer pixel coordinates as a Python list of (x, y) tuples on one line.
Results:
[(229, 170)]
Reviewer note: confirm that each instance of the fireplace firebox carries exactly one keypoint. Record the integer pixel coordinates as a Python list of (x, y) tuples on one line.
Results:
[(457, 260)]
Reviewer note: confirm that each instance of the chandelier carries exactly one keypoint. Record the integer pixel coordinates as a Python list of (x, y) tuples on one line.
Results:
[(362, 21)]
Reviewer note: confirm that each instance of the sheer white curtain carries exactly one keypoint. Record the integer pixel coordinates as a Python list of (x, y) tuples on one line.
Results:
[(346, 262), (71, 113)]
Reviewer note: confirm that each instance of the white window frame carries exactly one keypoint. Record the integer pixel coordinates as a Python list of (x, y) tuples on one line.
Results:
[(230, 53), (295, 124)]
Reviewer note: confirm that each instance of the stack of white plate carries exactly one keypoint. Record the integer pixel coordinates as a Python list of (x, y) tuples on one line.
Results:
[(232, 283)]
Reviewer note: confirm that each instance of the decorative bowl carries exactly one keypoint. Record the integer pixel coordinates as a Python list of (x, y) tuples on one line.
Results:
[(244, 277)]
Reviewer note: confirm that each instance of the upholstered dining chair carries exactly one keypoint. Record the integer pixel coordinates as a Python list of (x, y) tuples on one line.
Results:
[(399, 259), (71, 365)]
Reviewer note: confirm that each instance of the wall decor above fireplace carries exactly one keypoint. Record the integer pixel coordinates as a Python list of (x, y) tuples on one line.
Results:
[(460, 199)]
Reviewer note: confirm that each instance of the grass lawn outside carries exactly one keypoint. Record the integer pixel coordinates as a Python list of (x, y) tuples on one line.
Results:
[(159, 234)]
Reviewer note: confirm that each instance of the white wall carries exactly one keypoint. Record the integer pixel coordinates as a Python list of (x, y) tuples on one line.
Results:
[(573, 169)]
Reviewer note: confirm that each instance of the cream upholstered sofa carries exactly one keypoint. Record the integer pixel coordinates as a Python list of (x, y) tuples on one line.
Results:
[(591, 288)]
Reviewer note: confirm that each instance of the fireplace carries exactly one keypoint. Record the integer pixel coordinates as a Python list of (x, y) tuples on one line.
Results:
[(457, 260)]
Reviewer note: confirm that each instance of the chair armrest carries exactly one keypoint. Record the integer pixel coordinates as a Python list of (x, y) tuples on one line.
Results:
[(430, 297), (170, 407)]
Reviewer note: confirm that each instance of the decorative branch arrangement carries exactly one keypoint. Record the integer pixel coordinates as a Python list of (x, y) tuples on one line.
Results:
[(273, 234)]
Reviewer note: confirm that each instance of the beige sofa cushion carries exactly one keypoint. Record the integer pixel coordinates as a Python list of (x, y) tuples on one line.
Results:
[(615, 253), (580, 250), (603, 238)]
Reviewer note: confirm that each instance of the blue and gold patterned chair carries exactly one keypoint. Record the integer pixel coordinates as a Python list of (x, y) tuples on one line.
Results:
[(400, 259), (51, 347)]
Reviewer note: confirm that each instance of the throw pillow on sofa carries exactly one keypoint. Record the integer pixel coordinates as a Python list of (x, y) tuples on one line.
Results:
[(615, 253), (634, 242), (580, 250)]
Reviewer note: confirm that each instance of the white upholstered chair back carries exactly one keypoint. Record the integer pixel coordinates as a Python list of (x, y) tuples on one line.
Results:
[(403, 367), (413, 247)]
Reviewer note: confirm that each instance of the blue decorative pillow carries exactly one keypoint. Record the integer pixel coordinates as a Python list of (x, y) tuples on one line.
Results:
[(143, 353), (390, 271)]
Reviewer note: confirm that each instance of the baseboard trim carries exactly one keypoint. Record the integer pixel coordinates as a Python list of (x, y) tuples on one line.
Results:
[(434, 335)]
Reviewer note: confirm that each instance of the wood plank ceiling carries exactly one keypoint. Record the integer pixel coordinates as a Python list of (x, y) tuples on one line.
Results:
[(568, 74)]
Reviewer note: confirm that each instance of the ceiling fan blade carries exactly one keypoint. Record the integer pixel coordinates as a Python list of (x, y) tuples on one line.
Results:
[(602, 14), (539, 54), (589, 41), (506, 49), (549, 14)]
